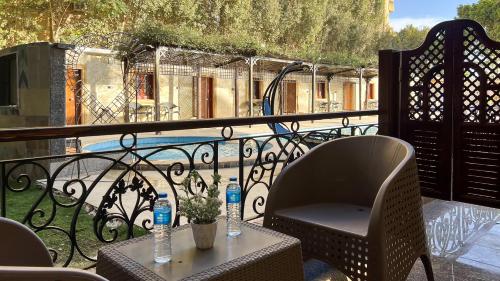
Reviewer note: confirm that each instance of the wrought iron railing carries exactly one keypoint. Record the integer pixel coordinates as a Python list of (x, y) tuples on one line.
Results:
[(107, 195)]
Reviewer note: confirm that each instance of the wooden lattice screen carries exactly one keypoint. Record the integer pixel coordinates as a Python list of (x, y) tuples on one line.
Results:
[(450, 112)]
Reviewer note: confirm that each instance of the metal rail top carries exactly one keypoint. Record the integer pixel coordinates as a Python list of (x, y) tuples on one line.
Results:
[(42, 133)]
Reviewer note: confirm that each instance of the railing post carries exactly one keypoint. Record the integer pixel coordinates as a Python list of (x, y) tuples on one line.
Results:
[(240, 175), (3, 191), (216, 157), (388, 92)]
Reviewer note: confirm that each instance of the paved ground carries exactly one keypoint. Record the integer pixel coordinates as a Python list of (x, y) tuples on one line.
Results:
[(464, 241)]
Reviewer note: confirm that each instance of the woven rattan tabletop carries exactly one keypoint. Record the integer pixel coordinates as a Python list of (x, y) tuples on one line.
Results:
[(257, 254)]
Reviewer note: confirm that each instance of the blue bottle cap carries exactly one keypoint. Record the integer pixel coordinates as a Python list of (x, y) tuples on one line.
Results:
[(233, 178), (162, 195)]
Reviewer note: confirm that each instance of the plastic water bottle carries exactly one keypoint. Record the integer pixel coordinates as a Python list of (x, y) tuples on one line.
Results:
[(162, 214), (233, 202)]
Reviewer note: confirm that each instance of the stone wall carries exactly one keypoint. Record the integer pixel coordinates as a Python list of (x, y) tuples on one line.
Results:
[(40, 76)]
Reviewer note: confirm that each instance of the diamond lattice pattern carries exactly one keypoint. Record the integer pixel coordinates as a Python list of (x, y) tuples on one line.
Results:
[(487, 60), (436, 97), (471, 96), (419, 66)]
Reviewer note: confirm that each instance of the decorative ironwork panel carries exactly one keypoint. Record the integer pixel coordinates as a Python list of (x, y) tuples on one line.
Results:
[(435, 103), (423, 110), (109, 195), (450, 112), (477, 127), (471, 96), (432, 55)]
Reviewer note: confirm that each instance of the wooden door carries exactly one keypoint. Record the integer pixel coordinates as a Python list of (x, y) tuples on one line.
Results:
[(206, 97), (290, 97), (146, 86), (73, 92), (371, 91), (349, 96)]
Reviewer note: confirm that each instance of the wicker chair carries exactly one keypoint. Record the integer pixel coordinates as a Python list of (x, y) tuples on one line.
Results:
[(24, 257), (354, 203)]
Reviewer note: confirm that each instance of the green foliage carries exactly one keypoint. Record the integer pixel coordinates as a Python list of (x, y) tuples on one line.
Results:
[(410, 37), (329, 31), (486, 12), (195, 205)]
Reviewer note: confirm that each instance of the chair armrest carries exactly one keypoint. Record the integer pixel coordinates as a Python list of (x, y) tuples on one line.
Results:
[(397, 216), (28, 273)]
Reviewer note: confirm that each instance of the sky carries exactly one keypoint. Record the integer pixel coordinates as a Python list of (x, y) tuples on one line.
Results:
[(424, 12)]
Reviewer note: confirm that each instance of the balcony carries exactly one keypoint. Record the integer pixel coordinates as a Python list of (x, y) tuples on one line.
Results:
[(83, 187)]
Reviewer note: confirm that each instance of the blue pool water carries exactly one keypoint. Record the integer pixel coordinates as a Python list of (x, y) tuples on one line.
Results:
[(226, 149)]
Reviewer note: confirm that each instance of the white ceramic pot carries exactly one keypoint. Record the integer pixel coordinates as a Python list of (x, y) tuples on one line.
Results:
[(204, 235)]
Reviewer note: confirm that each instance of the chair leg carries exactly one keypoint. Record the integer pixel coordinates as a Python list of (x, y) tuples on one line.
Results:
[(427, 266)]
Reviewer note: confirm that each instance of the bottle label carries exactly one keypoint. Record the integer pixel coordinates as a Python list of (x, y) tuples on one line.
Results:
[(233, 196), (162, 216)]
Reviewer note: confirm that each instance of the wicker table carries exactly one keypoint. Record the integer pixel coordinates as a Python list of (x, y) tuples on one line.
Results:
[(257, 254)]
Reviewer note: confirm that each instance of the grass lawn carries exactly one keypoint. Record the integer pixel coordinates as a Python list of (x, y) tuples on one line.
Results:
[(19, 204)]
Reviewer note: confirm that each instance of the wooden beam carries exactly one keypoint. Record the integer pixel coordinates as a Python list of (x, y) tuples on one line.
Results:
[(388, 92), (157, 85)]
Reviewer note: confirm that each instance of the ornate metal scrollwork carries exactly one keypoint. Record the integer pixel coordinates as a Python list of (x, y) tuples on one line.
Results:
[(112, 208)]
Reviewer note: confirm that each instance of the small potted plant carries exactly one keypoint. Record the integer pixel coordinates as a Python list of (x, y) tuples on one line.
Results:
[(201, 207)]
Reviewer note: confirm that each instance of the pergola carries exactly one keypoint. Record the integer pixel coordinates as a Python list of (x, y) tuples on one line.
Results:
[(177, 61)]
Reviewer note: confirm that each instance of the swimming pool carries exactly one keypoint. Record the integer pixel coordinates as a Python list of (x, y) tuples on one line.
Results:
[(226, 148)]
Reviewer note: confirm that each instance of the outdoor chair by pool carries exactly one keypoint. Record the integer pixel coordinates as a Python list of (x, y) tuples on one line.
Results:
[(137, 111), (354, 203), (167, 110), (23, 256)]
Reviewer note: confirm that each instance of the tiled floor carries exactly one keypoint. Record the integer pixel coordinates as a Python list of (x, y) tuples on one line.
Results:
[(464, 240)]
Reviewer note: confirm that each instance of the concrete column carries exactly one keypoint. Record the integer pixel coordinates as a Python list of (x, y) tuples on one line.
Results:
[(367, 88), (313, 88), (360, 89), (198, 94), (236, 94), (57, 92)]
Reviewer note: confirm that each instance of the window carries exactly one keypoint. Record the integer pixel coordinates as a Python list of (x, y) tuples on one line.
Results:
[(257, 94), (321, 90), (8, 89)]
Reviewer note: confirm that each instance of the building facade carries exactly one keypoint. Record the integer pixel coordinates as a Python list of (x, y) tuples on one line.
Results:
[(207, 86)]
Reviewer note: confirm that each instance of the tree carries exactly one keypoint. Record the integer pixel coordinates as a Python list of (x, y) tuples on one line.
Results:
[(485, 12), (410, 37), (309, 29), (24, 21)]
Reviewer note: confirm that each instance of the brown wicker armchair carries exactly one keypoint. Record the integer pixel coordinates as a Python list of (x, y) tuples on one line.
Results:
[(354, 203), (24, 257)]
